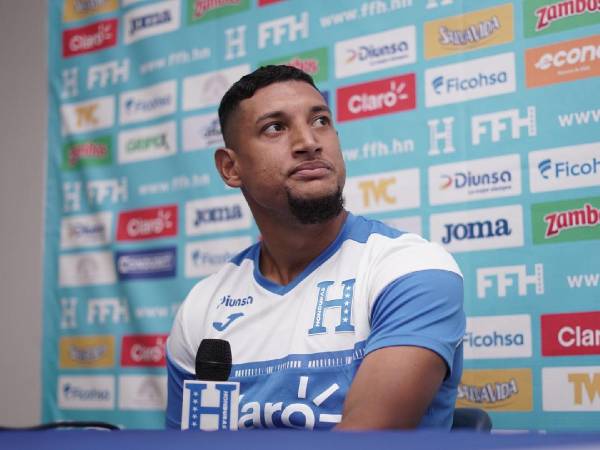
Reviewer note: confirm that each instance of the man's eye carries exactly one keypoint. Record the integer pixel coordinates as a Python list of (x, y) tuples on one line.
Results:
[(273, 128), (322, 121)]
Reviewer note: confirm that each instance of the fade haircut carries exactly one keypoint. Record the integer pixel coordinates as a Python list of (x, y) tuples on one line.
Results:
[(247, 86)]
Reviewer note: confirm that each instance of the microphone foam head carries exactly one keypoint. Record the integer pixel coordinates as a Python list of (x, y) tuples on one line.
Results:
[(213, 360)]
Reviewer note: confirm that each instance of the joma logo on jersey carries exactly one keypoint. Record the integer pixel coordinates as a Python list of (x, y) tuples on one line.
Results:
[(323, 304)]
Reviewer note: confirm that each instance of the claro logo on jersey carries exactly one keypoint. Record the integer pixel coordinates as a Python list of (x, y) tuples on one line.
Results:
[(146, 264), (565, 61), (479, 229), (498, 337), (565, 168), (90, 38), (474, 79), (571, 334), (378, 51), (375, 98), (566, 221), (472, 31), (496, 390), (147, 223), (84, 9), (86, 392), (551, 16), (205, 257), (149, 103), (476, 179), (144, 350), (217, 214), (579, 388), (202, 91), (86, 230), (151, 20), (148, 143), (313, 62), (87, 352)]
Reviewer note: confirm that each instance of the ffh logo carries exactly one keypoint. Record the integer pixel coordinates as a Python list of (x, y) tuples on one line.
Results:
[(495, 123), (90, 38), (210, 406), (147, 223), (344, 303), (571, 334), (277, 29), (505, 277), (108, 73)]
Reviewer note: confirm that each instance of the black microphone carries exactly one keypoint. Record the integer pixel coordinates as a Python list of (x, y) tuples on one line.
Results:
[(211, 402), (213, 360)]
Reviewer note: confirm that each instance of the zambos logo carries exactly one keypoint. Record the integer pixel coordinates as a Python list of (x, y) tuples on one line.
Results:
[(203, 10), (87, 153), (551, 16), (566, 221), (313, 62)]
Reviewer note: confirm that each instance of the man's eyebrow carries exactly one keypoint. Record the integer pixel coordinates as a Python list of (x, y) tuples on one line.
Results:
[(279, 114)]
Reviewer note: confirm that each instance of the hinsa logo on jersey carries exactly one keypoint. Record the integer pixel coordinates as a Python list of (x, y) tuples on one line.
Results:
[(86, 230), (566, 221), (496, 390), (90, 38), (578, 388), (516, 280), (151, 20), (144, 350), (375, 98), (565, 61), (571, 334), (201, 132), (147, 223), (217, 214), (149, 103), (87, 352), (86, 392), (490, 337), (148, 143), (207, 89), (467, 32), (377, 51), (87, 116), (84, 9), (568, 167), (551, 16), (143, 392), (386, 191), (470, 80), (479, 229), (205, 257), (476, 179)]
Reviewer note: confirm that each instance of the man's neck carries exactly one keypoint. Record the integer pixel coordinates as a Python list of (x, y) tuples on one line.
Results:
[(288, 248)]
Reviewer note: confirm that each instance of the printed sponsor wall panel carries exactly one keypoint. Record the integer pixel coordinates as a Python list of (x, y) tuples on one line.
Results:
[(474, 124)]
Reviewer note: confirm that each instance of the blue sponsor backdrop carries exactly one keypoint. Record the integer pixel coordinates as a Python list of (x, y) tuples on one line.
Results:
[(455, 134)]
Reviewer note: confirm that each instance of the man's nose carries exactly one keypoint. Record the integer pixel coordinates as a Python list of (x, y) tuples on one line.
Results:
[(304, 140)]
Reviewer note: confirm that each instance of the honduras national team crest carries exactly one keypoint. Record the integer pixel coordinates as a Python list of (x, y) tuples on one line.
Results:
[(210, 405)]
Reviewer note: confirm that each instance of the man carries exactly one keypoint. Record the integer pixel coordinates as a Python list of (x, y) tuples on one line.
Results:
[(341, 321)]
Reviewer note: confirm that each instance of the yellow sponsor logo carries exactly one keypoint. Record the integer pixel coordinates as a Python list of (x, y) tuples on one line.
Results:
[(585, 383), (78, 352), (82, 9), (472, 31), (496, 390)]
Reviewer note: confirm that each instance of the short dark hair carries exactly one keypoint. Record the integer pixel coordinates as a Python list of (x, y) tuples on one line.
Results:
[(247, 86)]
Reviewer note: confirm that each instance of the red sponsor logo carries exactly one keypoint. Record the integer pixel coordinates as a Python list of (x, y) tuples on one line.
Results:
[(147, 350), (149, 223), (267, 2), (376, 97), (548, 14), (571, 334), (90, 38), (588, 216)]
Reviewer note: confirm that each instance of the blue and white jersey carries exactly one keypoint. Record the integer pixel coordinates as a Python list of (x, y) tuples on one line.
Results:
[(296, 348)]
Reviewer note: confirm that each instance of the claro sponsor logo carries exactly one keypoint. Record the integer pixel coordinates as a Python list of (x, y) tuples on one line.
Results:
[(479, 229), (565, 168), (147, 223), (202, 132), (202, 91), (496, 390), (151, 20), (578, 388), (566, 221), (571, 334), (86, 392), (565, 61), (551, 16), (498, 337), (143, 392), (151, 102), (146, 264), (217, 214), (90, 38), (202, 10), (474, 79), (86, 230), (205, 257), (378, 51), (476, 179), (86, 269), (85, 352), (144, 350), (148, 143), (475, 30), (375, 98), (84, 9)]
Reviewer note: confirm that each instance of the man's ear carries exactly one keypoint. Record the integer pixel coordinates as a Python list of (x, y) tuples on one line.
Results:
[(227, 166)]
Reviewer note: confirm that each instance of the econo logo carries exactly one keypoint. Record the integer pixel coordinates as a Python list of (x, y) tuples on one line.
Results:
[(376, 97)]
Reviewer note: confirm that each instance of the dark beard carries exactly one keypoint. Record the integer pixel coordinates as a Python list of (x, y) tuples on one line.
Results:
[(316, 210)]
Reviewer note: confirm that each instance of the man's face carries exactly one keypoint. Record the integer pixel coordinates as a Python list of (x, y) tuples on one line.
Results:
[(286, 147)]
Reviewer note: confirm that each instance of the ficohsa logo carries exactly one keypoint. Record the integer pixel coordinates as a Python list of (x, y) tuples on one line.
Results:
[(376, 97), (86, 392), (498, 337)]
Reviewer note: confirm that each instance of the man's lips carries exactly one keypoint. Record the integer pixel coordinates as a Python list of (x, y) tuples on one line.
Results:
[(311, 169)]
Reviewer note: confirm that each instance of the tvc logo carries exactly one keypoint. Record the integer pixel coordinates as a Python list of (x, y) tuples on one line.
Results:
[(507, 278), (579, 388)]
